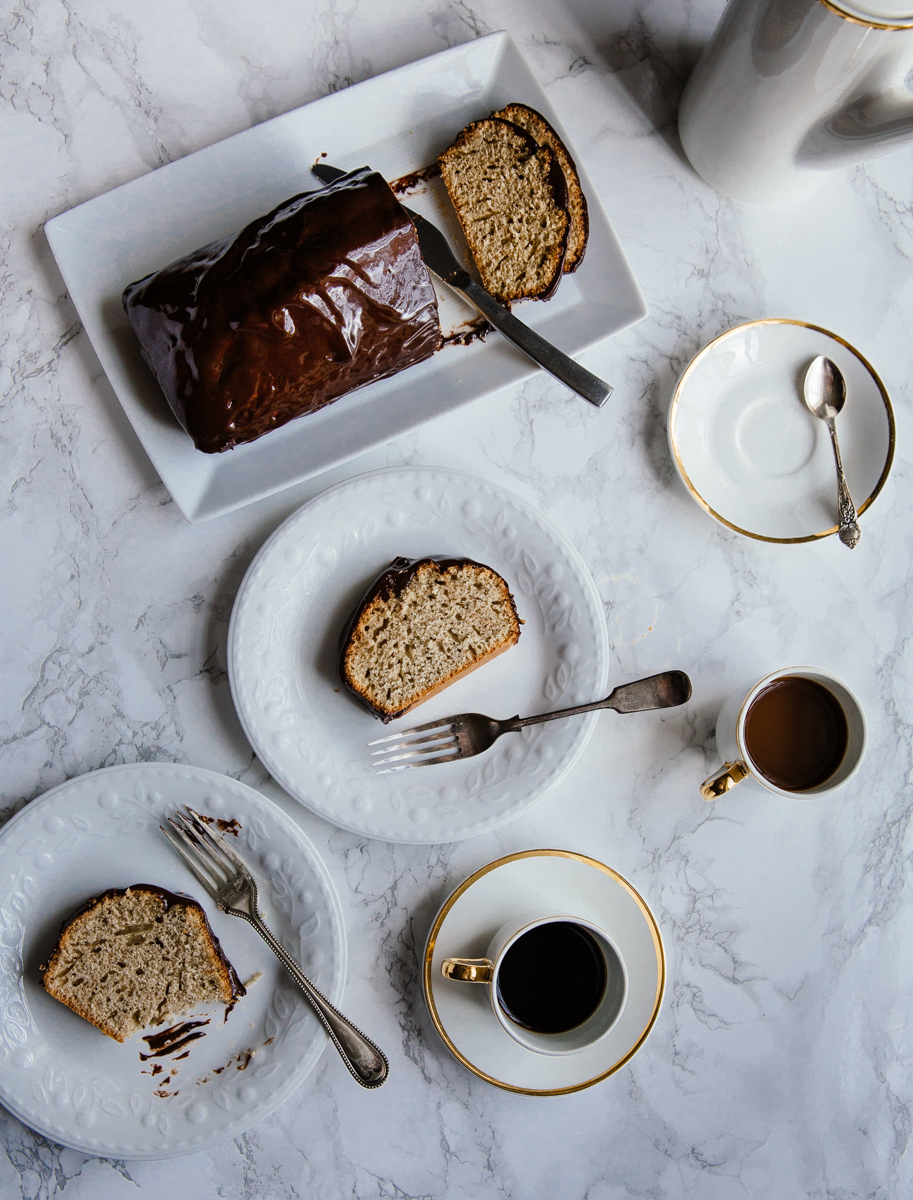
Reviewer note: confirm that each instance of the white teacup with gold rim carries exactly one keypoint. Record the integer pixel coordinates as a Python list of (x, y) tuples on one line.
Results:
[(798, 732), (557, 983)]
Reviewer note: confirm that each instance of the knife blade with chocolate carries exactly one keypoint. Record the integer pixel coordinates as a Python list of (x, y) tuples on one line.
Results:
[(441, 259)]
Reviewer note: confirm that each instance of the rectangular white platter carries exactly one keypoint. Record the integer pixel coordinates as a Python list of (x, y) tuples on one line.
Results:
[(397, 123)]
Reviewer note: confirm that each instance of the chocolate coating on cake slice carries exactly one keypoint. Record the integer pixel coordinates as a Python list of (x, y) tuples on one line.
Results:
[(324, 294), (421, 625)]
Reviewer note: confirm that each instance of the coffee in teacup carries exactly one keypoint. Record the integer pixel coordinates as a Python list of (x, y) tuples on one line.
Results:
[(799, 732), (796, 733), (565, 993), (557, 983)]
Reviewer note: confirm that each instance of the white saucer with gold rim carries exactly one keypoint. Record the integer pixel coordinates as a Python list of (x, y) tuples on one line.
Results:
[(464, 927), (749, 451)]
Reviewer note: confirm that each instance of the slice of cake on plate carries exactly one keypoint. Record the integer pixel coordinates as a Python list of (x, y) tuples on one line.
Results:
[(536, 125), (138, 956), (421, 625)]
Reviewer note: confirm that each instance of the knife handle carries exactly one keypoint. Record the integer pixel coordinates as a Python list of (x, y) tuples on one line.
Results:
[(570, 373)]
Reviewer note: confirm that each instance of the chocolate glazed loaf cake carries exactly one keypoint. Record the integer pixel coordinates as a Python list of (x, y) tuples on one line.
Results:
[(322, 295), (420, 626)]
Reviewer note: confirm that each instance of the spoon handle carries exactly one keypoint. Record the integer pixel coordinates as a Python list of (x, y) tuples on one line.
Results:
[(666, 690), (849, 532)]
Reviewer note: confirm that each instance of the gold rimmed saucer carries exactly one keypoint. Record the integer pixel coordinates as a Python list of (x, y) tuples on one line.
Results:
[(750, 453), (572, 883)]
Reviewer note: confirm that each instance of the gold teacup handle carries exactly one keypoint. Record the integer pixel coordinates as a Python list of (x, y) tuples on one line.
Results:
[(724, 780), (468, 970)]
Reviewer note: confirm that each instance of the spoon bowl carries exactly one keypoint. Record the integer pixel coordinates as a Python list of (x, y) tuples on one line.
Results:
[(825, 388)]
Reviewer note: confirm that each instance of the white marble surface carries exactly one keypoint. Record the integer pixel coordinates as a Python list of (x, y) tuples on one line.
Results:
[(780, 1065)]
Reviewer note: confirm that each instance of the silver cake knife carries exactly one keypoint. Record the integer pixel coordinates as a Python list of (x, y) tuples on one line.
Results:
[(440, 258)]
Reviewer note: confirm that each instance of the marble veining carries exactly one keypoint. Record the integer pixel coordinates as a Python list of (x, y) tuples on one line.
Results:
[(780, 1064)]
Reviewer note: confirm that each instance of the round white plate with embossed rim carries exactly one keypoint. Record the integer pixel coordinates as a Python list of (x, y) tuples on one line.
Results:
[(61, 1075), (284, 644)]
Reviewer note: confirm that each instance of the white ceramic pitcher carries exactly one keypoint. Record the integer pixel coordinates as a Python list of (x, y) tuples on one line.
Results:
[(786, 89)]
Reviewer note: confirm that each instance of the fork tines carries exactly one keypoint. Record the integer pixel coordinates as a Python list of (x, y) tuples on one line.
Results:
[(439, 745), (209, 857)]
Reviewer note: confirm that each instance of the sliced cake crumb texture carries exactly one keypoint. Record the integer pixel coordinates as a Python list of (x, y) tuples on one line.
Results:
[(422, 625), (538, 127), (137, 956), (510, 196)]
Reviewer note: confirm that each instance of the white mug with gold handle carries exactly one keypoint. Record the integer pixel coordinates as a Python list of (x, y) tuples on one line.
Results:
[(739, 768)]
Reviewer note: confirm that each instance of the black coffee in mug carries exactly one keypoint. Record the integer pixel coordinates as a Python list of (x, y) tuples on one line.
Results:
[(796, 733), (552, 978)]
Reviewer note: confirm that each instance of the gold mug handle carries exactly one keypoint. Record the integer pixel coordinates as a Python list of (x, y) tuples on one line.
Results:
[(724, 780), (468, 970)]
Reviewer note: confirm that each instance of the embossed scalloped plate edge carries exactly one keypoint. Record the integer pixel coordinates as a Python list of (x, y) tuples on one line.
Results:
[(65, 1093), (312, 737)]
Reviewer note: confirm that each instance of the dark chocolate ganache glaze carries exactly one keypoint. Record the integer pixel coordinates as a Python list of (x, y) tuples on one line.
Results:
[(322, 295), (392, 581)]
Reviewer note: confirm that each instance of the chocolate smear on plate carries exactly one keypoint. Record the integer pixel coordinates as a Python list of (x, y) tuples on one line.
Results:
[(173, 1039), (408, 183), (465, 335)]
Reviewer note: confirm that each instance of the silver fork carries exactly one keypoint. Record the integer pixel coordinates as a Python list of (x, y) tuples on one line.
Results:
[(234, 889), (470, 733)]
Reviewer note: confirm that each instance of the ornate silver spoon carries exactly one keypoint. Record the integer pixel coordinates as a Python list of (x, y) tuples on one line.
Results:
[(825, 396)]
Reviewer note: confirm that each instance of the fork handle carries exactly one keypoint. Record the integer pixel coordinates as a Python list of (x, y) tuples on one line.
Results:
[(666, 690), (367, 1062)]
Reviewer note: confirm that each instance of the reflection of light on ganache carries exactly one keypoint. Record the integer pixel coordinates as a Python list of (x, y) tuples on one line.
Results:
[(322, 295)]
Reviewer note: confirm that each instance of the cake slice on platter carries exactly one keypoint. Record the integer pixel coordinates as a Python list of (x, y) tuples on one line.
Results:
[(536, 125), (510, 196)]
